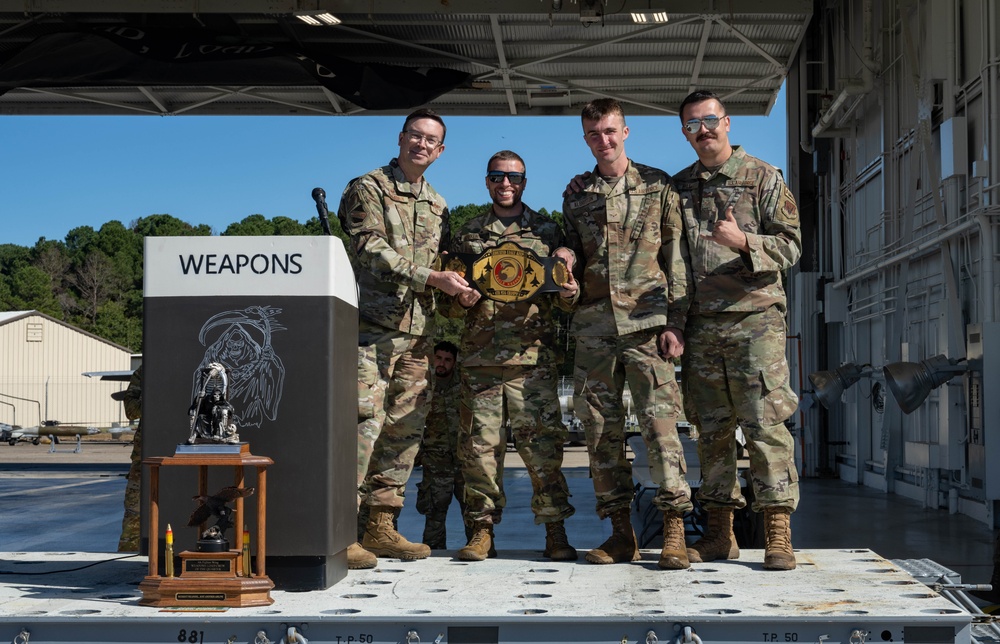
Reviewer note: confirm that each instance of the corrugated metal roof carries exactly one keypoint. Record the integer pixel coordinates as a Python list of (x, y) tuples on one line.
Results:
[(8, 316), (522, 56), (11, 316)]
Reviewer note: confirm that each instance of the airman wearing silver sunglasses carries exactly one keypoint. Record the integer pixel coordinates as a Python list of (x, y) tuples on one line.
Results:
[(742, 229)]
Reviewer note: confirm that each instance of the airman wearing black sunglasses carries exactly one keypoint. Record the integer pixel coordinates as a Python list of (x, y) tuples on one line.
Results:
[(742, 228), (509, 366)]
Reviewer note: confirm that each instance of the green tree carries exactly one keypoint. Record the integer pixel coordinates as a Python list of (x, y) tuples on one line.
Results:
[(287, 226), (555, 215), (13, 257), (459, 215), (254, 225), (79, 242), (97, 280), (315, 227), (52, 259), (113, 323), (124, 249), (31, 288), (6, 302), (167, 226)]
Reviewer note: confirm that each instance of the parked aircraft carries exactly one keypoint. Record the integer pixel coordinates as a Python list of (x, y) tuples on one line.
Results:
[(120, 376), (51, 428)]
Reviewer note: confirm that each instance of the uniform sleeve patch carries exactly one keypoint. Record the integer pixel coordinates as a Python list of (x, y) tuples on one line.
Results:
[(789, 211)]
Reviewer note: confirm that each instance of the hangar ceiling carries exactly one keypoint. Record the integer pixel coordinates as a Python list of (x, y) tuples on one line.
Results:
[(461, 57)]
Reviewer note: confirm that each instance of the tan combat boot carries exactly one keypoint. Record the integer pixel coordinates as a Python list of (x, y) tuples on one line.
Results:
[(674, 554), (719, 541), (557, 546), (480, 546), (621, 546), (778, 553), (382, 539), (358, 557)]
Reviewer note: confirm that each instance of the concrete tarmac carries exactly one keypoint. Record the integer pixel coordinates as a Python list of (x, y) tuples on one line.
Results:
[(73, 501)]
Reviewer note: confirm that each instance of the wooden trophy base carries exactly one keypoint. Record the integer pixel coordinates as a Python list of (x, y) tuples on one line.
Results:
[(207, 580)]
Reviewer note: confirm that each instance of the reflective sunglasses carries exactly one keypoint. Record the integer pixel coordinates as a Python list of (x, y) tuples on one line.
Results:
[(710, 122), (496, 176)]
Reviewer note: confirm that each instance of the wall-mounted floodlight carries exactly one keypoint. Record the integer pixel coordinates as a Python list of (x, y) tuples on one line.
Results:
[(830, 385), (317, 18), (911, 382)]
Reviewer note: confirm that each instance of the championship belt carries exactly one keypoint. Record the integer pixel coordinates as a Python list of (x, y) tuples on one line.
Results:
[(509, 272)]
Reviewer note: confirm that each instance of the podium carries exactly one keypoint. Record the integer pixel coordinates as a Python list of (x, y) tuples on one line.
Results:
[(280, 313), (214, 579)]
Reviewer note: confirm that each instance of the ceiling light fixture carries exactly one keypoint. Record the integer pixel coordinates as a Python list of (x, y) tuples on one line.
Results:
[(643, 18), (317, 18)]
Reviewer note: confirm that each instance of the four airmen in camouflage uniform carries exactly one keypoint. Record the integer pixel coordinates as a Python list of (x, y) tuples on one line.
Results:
[(397, 225), (688, 268), (624, 230), (742, 228), (442, 472), (509, 368)]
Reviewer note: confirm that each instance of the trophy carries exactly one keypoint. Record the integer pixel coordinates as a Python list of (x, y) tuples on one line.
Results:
[(214, 574), (210, 412), (510, 272)]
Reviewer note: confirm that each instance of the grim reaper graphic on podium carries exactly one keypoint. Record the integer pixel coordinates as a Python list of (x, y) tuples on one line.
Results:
[(254, 372)]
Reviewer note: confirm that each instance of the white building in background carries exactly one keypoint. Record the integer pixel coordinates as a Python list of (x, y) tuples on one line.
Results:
[(42, 361)]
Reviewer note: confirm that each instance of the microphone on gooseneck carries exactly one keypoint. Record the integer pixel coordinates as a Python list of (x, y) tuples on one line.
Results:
[(319, 196)]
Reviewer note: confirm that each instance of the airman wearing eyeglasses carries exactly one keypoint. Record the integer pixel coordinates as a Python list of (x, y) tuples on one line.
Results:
[(398, 225), (624, 230), (742, 227), (509, 365)]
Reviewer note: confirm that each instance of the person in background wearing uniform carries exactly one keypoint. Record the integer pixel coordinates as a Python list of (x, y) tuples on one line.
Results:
[(742, 227), (508, 365), (624, 228), (131, 399), (442, 472), (397, 225)]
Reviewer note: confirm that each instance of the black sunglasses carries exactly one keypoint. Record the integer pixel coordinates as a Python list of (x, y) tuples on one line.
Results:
[(496, 176)]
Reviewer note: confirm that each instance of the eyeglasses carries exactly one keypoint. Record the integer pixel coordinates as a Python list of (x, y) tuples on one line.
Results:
[(496, 176), (416, 137), (710, 122)]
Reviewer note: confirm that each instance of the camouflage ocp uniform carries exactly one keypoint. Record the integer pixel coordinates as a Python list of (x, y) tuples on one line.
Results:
[(630, 252), (131, 527), (396, 230), (735, 371), (442, 472), (508, 365)]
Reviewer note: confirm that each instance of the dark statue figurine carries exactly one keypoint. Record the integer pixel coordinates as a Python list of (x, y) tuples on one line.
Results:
[(214, 538), (211, 413)]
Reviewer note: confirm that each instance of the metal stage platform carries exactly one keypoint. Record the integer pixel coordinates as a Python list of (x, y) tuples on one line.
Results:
[(835, 596)]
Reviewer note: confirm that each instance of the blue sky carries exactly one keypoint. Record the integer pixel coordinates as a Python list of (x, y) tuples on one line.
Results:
[(60, 172)]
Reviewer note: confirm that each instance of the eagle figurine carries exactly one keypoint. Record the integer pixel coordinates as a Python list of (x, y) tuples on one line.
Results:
[(216, 506)]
